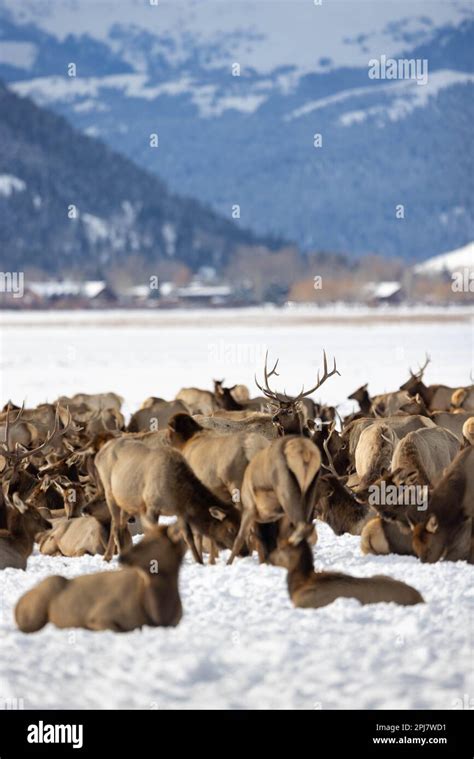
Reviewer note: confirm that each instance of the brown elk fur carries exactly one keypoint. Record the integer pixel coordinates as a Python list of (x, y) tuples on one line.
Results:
[(144, 592), (445, 530), (312, 590), (280, 480), (24, 522), (151, 481)]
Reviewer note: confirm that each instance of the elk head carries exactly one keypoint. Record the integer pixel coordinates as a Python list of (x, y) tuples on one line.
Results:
[(362, 397), (294, 552), (224, 397), (415, 384), (337, 504), (181, 428), (287, 410), (433, 541)]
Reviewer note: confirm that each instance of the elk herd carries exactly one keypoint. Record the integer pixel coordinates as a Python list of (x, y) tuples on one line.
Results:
[(235, 472)]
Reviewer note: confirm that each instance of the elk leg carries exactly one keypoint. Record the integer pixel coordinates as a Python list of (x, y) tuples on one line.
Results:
[(114, 528), (189, 538), (245, 524), (198, 541), (213, 552), (121, 534)]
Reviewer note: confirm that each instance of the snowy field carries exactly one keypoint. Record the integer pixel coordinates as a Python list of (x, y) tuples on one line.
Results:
[(240, 643)]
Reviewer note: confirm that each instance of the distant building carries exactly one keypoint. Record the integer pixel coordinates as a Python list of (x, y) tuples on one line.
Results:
[(197, 294), (67, 292), (377, 293)]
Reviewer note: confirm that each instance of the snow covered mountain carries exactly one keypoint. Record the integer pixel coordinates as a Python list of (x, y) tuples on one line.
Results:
[(68, 204), (455, 260), (236, 93)]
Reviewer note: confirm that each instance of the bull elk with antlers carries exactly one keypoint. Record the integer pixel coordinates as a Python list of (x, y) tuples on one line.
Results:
[(281, 479), (291, 413)]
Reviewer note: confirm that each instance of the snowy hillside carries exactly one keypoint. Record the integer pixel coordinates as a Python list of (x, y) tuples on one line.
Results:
[(456, 260), (248, 138)]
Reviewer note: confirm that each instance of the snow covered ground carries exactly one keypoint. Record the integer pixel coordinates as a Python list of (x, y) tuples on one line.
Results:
[(240, 643)]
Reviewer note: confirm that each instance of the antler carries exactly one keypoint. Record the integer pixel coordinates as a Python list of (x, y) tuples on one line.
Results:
[(421, 369), (332, 469), (267, 391), (20, 452), (319, 381), (283, 397)]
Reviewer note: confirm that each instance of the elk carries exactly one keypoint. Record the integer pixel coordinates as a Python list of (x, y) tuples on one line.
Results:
[(400, 425), (336, 504), (33, 426), (374, 452), (280, 480), (437, 397), (426, 452), (81, 535), (452, 422), (155, 416), (292, 412), (225, 397), (381, 537), (219, 461), (312, 590), (142, 481), (363, 398), (143, 592), (95, 402), (23, 523), (198, 401), (468, 431), (228, 424), (445, 529), (463, 398)]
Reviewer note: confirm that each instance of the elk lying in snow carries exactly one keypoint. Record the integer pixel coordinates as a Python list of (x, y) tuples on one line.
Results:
[(280, 480), (138, 480), (144, 592), (218, 460), (81, 535), (446, 528), (311, 590), (380, 536)]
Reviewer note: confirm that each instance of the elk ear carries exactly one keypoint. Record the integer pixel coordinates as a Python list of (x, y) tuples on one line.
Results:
[(217, 513), (19, 504), (432, 524)]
